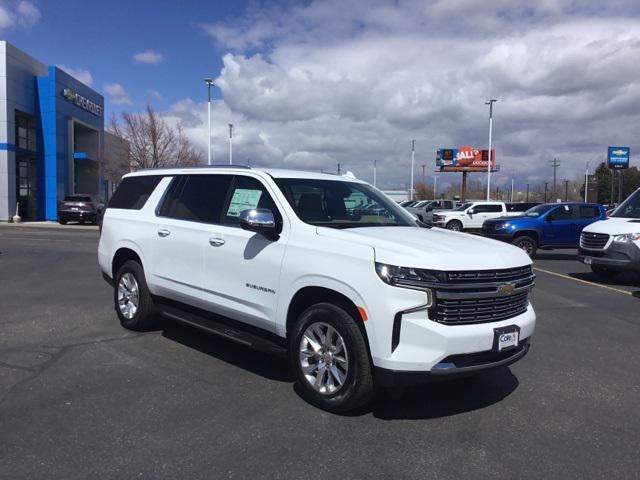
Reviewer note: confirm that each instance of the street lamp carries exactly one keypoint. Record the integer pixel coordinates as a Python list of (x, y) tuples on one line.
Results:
[(413, 159), (230, 143), (435, 185), (490, 103), (586, 181), (209, 83), (375, 168)]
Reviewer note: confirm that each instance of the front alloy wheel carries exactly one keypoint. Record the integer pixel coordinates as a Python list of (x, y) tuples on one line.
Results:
[(324, 359)]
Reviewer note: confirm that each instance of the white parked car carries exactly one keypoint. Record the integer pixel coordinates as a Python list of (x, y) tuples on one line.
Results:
[(284, 261), (613, 245), (471, 215)]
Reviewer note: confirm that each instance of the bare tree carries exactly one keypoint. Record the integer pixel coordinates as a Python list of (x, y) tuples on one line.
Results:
[(149, 142)]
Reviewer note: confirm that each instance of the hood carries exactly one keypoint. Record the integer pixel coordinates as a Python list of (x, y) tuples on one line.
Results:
[(434, 248), (614, 226), (450, 212), (516, 218)]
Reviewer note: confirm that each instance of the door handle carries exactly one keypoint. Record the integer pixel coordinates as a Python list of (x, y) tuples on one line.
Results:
[(163, 232), (216, 242)]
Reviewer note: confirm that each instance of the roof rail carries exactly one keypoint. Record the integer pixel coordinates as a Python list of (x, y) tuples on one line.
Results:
[(188, 167)]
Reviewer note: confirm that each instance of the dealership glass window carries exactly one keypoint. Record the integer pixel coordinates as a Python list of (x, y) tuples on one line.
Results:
[(25, 131)]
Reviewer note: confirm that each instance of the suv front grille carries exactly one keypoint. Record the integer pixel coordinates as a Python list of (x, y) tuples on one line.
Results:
[(481, 296), (593, 241)]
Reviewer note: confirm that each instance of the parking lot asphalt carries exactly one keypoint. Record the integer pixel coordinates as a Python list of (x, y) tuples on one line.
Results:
[(82, 398)]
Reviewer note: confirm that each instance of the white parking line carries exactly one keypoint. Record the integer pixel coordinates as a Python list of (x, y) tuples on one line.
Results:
[(619, 290)]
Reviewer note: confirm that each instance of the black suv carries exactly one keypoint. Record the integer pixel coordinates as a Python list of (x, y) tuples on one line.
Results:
[(81, 209)]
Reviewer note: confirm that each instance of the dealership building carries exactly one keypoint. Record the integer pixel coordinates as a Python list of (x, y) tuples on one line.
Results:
[(51, 136)]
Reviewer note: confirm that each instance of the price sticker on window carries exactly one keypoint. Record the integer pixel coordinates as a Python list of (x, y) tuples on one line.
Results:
[(243, 199)]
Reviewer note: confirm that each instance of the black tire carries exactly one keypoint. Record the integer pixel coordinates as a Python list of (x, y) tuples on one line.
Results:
[(604, 273), (357, 388), (62, 222), (526, 243), (145, 315), (454, 225)]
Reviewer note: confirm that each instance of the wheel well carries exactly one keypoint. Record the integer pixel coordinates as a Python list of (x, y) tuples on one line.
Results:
[(121, 256), (528, 233), (305, 297)]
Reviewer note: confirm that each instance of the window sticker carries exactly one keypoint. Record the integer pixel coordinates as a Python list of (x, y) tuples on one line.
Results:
[(243, 199)]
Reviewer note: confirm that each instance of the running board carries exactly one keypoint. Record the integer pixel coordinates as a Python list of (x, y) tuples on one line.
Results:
[(221, 329)]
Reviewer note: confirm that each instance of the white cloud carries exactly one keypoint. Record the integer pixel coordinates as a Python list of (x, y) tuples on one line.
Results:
[(18, 14), (117, 94), (79, 74), (308, 87), (148, 56), (153, 94)]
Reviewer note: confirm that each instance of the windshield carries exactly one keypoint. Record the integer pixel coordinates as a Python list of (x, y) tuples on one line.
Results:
[(339, 204), (538, 210), (463, 207), (630, 208), (77, 198)]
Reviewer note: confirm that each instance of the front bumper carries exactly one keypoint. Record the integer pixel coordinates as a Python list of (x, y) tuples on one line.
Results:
[(454, 366), (620, 256), (497, 235)]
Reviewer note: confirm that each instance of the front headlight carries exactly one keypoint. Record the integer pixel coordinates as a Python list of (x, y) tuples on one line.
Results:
[(626, 237), (502, 226), (409, 277)]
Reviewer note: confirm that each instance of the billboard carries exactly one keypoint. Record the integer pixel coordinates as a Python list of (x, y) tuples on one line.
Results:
[(618, 157), (465, 159)]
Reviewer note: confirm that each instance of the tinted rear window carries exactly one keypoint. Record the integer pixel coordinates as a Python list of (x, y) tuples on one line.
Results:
[(196, 198), (133, 192)]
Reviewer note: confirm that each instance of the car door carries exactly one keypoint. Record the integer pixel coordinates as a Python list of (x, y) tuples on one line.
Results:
[(559, 225), (242, 268), (191, 203)]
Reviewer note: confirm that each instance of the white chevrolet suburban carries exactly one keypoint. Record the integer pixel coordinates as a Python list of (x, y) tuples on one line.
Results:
[(471, 215), (301, 264), (612, 246)]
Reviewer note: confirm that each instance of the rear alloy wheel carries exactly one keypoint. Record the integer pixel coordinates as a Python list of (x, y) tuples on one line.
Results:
[(132, 299), (454, 225), (527, 244), (330, 359), (604, 273)]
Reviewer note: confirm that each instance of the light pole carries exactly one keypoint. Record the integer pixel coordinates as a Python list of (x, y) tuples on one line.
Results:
[(586, 181), (375, 167), (209, 83), (435, 186), (511, 199), (231, 144), (413, 159), (490, 103)]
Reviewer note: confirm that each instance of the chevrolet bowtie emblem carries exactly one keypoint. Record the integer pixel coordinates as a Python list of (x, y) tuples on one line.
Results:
[(506, 289)]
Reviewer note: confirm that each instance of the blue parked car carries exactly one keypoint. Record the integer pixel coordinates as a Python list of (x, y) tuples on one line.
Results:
[(546, 226)]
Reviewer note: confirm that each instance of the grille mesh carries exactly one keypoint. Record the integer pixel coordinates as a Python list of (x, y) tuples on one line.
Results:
[(595, 241)]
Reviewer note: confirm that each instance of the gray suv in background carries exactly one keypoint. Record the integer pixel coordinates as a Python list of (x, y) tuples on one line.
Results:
[(424, 209)]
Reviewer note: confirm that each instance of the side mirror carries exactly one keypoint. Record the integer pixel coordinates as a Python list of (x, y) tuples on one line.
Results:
[(259, 220), (470, 212), (548, 218)]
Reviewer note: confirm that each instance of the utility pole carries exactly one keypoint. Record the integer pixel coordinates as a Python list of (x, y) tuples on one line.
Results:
[(511, 199), (546, 191), (566, 190), (413, 159), (231, 144), (490, 103), (209, 83), (527, 192), (586, 181), (424, 181), (375, 166), (338, 168), (555, 163)]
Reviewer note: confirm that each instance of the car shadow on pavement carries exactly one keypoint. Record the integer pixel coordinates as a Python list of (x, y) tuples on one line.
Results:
[(265, 365), (626, 279), (444, 398), (555, 256)]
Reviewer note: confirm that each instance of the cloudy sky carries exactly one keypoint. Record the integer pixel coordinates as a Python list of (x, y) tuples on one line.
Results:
[(310, 84)]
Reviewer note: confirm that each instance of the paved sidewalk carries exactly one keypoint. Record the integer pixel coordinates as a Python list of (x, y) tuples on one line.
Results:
[(72, 226)]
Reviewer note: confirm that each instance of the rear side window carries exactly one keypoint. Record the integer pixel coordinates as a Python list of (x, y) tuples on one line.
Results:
[(196, 198), (487, 208), (589, 211), (133, 192)]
